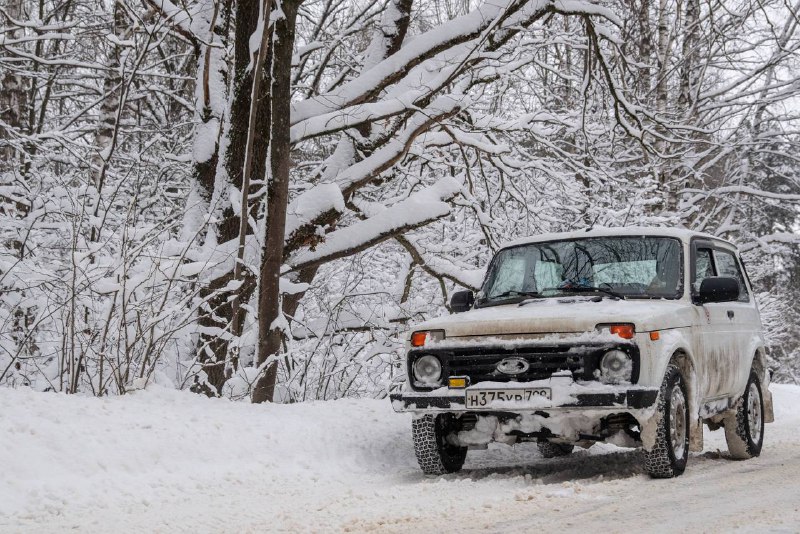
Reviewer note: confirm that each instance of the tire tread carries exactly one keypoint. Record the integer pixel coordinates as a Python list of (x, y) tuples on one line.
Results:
[(554, 450), (659, 461), (432, 456), (737, 429)]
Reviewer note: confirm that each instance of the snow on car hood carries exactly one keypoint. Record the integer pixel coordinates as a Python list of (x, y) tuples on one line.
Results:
[(563, 315)]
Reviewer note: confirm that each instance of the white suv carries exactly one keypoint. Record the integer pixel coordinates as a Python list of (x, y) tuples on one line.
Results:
[(635, 336)]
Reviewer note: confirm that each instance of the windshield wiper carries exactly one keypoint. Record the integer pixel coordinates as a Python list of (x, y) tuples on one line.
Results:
[(514, 293), (587, 289)]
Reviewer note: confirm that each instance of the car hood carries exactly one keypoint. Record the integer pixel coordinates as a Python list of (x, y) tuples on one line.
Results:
[(563, 315)]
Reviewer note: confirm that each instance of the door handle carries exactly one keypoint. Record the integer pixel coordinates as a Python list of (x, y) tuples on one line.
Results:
[(731, 314)]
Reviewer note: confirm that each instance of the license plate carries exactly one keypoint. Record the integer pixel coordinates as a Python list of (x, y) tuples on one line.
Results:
[(484, 397)]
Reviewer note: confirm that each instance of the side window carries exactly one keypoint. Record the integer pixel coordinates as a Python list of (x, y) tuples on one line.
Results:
[(703, 267), (728, 266)]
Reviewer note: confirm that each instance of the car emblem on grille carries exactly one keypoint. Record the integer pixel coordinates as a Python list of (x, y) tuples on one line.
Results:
[(512, 366)]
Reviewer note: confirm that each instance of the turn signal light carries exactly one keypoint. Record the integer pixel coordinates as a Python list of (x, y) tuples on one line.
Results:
[(655, 336), (418, 339), (625, 331)]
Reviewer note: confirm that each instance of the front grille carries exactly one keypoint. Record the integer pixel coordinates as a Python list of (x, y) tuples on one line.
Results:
[(480, 363), (481, 366)]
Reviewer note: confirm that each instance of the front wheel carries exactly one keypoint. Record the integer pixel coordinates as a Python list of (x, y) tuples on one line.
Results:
[(435, 455), (670, 452), (744, 431)]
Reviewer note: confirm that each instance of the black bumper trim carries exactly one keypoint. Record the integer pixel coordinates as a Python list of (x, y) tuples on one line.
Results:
[(634, 399)]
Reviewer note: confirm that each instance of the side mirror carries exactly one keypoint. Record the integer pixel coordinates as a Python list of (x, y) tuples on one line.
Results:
[(462, 301), (718, 289)]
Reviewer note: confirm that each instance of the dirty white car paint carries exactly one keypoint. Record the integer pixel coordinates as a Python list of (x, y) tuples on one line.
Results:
[(715, 345)]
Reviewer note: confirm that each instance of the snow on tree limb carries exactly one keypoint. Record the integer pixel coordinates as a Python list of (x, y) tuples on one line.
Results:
[(419, 208), (439, 267), (311, 204), (363, 171), (184, 21), (740, 189), (766, 242), (394, 103), (388, 71)]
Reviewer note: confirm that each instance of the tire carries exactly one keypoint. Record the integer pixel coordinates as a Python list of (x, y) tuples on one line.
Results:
[(554, 450), (670, 452), (434, 454), (744, 431)]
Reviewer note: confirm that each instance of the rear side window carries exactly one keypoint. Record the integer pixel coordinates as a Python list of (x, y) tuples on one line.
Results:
[(728, 266)]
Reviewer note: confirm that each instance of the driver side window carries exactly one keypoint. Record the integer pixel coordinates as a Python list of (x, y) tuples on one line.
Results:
[(728, 266), (703, 267)]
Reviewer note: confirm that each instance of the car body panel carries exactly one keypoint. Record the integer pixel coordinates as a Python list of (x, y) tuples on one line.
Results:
[(571, 314)]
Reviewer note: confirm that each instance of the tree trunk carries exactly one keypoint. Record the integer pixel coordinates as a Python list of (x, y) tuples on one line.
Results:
[(13, 97), (214, 349), (690, 54), (645, 48), (661, 98), (105, 139), (386, 41), (688, 77), (211, 67), (270, 331)]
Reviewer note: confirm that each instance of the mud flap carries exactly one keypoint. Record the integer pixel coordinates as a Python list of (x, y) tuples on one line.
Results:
[(649, 430), (650, 427), (696, 435), (766, 394)]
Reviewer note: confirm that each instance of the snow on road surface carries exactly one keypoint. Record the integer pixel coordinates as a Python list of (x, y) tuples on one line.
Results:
[(168, 461)]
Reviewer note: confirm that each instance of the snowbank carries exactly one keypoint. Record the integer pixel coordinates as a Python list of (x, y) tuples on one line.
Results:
[(66, 458), (163, 460)]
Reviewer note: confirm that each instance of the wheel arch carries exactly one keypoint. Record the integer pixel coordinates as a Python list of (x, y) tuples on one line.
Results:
[(683, 360), (760, 366), (685, 364)]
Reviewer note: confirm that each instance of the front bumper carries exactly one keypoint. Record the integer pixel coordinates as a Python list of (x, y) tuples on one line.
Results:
[(454, 400)]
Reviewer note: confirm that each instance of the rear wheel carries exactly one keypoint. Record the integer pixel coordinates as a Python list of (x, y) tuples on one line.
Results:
[(670, 452), (435, 455), (553, 450), (744, 431)]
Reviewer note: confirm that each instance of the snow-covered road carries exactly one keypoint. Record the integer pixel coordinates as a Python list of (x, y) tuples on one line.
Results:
[(165, 461)]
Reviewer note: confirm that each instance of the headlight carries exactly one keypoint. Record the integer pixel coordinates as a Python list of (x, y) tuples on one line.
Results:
[(616, 367), (428, 370)]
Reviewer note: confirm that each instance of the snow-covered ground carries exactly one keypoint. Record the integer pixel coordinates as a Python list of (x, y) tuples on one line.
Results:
[(166, 461)]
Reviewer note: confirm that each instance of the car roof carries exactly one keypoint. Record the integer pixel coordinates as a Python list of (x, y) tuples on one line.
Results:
[(626, 231)]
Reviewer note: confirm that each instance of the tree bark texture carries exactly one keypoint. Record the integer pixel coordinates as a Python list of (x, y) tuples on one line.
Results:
[(388, 39), (219, 313), (270, 331), (13, 98)]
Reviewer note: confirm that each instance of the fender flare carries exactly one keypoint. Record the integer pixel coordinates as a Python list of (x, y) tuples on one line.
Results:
[(681, 356), (760, 366)]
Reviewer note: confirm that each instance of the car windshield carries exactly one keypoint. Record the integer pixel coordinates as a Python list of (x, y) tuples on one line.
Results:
[(621, 267)]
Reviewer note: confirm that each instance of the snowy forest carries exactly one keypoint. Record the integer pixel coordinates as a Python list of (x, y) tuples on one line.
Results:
[(255, 199)]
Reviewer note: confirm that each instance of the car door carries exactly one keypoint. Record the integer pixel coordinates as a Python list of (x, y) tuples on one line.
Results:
[(717, 346), (745, 318)]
